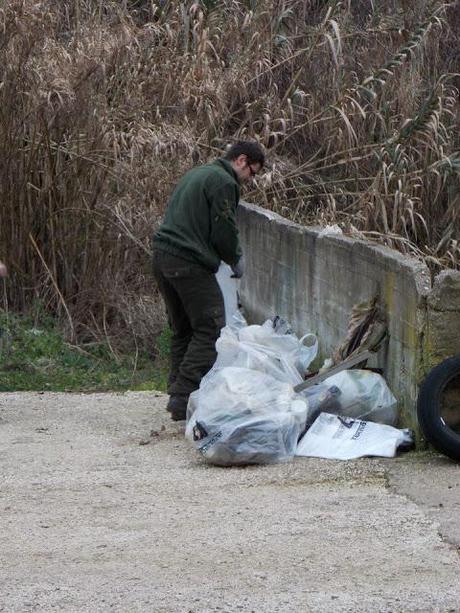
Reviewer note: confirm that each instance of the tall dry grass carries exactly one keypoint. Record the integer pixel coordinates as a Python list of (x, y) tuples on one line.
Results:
[(104, 104)]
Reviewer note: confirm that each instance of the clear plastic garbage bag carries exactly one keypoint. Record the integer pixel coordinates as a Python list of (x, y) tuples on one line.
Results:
[(275, 334), (233, 352), (264, 348), (240, 416), (361, 394)]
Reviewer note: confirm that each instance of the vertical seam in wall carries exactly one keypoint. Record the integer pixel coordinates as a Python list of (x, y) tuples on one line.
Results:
[(422, 359)]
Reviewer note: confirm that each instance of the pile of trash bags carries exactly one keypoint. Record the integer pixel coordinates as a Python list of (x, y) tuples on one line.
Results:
[(246, 410)]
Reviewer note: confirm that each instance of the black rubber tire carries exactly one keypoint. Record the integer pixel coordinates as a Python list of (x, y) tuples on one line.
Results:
[(435, 430)]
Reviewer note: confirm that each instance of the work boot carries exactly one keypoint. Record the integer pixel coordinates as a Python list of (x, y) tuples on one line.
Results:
[(177, 406)]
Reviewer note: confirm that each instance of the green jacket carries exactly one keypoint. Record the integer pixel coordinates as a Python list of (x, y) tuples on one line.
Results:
[(200, 220)]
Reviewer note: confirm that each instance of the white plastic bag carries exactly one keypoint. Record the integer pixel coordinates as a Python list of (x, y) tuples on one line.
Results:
[(241, 416), (301, 352), (361, 394), (306, 352), (271, 347), (232, 352), (342, 438), (331, 230), (237, 321), (228, 287), (276, 342)]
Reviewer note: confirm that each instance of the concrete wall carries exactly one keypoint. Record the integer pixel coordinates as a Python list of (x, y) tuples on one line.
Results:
[(314, 281), (442, 334)]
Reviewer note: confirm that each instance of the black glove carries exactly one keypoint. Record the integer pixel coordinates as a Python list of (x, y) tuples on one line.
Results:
[(238, 269)]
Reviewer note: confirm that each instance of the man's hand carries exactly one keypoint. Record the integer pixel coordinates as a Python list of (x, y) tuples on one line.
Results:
[(3, 270), (238, 269)]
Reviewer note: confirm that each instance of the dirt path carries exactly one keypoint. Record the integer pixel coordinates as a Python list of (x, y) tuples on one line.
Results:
[(91, 520)]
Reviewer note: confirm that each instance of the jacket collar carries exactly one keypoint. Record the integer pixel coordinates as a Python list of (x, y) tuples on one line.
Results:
[(225, 164)]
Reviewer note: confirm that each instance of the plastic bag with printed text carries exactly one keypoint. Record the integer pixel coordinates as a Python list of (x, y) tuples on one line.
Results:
[(342, 438)]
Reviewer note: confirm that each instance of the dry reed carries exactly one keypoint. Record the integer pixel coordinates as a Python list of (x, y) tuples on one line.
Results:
[(104, 104)]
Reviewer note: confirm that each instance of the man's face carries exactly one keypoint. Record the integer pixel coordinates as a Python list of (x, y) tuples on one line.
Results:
[(245, 170)]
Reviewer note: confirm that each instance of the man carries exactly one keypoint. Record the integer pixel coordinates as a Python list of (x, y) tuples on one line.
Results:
[(199, 230)]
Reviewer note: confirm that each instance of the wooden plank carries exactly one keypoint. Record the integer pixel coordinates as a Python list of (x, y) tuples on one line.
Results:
[(353, 361)]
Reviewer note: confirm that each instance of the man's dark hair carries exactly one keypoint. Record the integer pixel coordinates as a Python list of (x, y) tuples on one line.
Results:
[(252, 150)]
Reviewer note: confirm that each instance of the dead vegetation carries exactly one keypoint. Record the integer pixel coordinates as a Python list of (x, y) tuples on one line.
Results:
[(104, 104)]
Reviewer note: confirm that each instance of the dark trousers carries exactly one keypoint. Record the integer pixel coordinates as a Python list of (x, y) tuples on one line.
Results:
[(196, 314)]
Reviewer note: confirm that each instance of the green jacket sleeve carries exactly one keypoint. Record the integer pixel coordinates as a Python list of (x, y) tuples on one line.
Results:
[(224, 232)]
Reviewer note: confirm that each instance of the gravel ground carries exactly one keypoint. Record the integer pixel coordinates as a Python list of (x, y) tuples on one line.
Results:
[(105, 507)]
